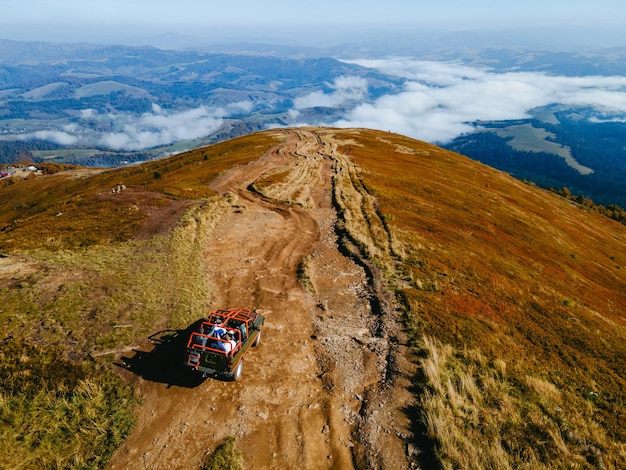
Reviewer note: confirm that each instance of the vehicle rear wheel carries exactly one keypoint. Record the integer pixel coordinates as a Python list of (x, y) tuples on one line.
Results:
[(237, 371), (257, 341)]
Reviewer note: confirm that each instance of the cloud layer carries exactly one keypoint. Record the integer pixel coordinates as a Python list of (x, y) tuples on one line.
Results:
[(442, 100), (344, 90), (159, 128), (131, 132), (437, 102)]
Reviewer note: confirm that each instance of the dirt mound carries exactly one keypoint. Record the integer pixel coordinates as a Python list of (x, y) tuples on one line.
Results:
[(328, 385)]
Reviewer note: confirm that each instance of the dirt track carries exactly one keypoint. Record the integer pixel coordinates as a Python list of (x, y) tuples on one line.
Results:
[(328, 384)]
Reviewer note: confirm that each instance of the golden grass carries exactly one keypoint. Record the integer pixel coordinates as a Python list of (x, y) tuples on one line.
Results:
[(61, 211), (359, 216), (92, 288), (514, 298), (526, 296), (293, 183), (478, 418)]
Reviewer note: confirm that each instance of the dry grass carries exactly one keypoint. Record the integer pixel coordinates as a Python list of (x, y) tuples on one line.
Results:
[(514, 298), (292, 184), (90, 288), (526, 296), (359, 216), (61, 211), (479, 418)]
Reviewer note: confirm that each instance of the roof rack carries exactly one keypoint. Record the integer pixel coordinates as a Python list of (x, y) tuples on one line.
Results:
[(241, 314)]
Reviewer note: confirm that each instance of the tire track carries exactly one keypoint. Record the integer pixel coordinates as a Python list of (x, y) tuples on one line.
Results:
[(309, 390)]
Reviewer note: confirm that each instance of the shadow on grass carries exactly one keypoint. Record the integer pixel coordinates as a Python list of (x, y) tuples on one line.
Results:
[(164, 363), (423, 449)]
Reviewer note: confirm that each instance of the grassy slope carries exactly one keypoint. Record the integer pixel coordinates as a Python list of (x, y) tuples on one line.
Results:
[(60, 212), (526, 297), (87, 288), (515, 299)]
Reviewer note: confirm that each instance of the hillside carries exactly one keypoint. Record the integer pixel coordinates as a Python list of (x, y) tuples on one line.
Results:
[(560, 149), (423, 311)]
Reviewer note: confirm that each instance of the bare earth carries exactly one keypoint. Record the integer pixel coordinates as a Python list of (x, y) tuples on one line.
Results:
[(328, 385)]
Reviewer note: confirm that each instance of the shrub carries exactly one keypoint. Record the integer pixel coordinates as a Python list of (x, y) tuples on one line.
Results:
[(225, 457)]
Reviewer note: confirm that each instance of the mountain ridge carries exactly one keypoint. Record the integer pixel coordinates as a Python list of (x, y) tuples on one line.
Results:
[(512, 296)]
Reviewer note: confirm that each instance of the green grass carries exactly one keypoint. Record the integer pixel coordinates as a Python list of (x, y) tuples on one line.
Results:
[(59, 414), (59, 319), (225, 457), (303, 275), (55, 384)]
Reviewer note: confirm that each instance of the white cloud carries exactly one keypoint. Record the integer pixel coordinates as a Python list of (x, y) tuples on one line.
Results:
[(439, 73), (345, 89), (58, 137), (88, 114), (132, 132), (239, 107), (159, 128), (440, 100)]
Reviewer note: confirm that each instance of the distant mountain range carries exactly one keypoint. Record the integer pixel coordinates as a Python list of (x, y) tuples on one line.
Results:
[(73, 94), (106, 105)]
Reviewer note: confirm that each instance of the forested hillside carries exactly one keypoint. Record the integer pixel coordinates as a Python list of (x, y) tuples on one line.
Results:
[(600, 146)]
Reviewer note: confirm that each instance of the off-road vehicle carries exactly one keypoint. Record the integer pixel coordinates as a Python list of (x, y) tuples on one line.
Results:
[(220, 342)]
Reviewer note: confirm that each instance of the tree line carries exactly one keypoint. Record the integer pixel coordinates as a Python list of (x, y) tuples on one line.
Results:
[(600, 146), (612, 211)]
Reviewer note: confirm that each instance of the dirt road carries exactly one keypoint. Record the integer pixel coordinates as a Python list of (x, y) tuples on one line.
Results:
[(328, 385)]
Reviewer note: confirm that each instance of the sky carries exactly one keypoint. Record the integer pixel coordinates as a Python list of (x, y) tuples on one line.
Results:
[(88, 19)]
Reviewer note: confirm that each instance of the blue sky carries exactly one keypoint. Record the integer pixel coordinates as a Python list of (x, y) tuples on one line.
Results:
[(32, 19), (163, 12)]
